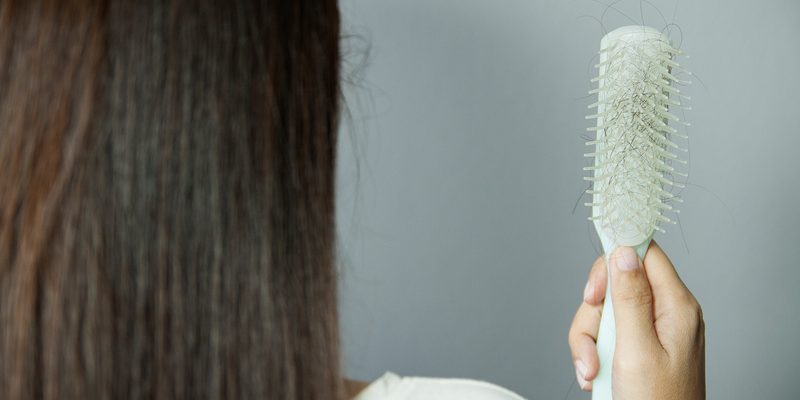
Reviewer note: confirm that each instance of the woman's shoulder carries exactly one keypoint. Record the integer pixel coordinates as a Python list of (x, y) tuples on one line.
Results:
[(391, 386)]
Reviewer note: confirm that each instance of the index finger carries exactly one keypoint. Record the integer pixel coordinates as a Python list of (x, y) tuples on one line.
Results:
[(667, 286), (595, 291)]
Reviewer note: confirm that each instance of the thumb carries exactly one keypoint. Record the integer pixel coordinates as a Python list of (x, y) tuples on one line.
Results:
[(632, 299)]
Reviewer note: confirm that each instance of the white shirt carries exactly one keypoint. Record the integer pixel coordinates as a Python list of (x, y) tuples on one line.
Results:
[(391, 386)]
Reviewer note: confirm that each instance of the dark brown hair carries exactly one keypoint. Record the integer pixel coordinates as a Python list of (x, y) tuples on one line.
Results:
[(167, 199)]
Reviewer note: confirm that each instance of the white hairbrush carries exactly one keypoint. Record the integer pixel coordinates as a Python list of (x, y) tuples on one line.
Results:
[(632, 175)]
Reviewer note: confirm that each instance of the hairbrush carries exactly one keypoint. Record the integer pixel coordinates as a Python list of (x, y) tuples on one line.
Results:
[(633, 179)]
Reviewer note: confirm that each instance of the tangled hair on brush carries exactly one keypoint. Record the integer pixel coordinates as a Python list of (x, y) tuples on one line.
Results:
[(167, 199), (633, 175)]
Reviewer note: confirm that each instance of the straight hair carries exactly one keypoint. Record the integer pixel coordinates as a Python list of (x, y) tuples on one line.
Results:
[(167, 224)]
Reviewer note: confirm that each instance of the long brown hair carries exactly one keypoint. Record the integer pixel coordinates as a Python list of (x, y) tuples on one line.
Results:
[(167, 199)]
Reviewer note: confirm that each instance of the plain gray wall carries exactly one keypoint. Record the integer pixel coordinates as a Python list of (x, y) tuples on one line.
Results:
[(461, 162)]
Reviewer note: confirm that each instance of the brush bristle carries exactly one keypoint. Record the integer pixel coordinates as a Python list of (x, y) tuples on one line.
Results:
[(633, 178)]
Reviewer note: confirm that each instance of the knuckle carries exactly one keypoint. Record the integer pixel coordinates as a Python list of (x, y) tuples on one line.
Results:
[(697, 317), (572, 336), (574, 347), (701, 329), (691, 308), (690, 312), (685, 300), (598, 263), (697, 311), (701, 334)]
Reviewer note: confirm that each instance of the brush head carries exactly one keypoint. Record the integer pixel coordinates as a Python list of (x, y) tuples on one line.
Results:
[(633, 173)]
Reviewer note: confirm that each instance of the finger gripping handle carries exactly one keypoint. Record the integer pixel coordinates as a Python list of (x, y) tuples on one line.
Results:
[(606, 341), (607, 334)]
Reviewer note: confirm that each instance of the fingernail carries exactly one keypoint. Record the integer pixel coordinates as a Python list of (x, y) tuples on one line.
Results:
[(626, 259), (580, 373), (587, 291)]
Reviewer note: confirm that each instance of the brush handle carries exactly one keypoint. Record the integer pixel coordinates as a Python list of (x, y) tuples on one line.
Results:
[(607, 335)]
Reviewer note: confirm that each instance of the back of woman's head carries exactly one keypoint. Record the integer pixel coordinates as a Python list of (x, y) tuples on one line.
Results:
[(167, 199)]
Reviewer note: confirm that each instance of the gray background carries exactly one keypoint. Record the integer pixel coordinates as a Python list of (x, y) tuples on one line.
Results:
[(461, 162)]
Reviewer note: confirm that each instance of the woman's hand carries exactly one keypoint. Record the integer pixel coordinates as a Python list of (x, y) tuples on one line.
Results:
[(660, 349)]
